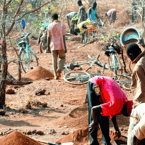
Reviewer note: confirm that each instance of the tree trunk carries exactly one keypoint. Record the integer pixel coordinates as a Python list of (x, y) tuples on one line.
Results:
[(4, 60), (4, 74)]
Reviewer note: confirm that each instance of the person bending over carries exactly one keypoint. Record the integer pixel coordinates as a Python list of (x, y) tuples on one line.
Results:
[(105, 99), (73, 17), (112, 15), (84, 27)]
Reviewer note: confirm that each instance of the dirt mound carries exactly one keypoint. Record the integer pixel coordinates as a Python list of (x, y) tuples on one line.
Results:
[(16, 138), (77, 137), (80, 137), (77, 118), (38, 73)]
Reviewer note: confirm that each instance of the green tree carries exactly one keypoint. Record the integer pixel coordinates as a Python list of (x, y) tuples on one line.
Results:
[(12, 12)]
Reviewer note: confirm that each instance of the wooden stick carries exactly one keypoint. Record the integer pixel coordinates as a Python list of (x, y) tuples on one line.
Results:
[(93, 40)]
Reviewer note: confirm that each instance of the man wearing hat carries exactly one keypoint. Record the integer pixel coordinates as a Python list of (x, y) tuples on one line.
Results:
[(105, 99)]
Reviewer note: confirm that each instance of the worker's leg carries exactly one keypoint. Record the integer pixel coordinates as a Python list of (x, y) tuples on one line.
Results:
[(104, 125), (92, 100), (72, 27), (68, 22), (54, 62), (61, 61)]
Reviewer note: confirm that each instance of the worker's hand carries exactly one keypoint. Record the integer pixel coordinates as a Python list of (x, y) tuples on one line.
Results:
[(48, 50), (92, 127), (65, 51), (118, 133)]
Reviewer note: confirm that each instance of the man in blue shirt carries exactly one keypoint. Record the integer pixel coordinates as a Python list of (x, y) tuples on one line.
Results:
[(92, 12)]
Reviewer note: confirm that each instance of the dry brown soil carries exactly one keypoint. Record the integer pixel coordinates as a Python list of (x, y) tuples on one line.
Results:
[(65, 117)]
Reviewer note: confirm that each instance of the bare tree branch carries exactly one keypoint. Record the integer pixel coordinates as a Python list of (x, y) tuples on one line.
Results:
[(8, 3), (13, 23), (4, 5), (34, 10)]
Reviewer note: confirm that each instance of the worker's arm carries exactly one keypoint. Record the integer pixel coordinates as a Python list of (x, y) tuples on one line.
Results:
[(89, 12), (80, 15), (95, 111), (131, 134), (137, 129), (131, 138), (48, 41), (116, 126), (64, 44), (68, 21), (97, 16)]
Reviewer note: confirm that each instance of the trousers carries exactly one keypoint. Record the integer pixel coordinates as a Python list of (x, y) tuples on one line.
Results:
[(93, 100), (55, 55)]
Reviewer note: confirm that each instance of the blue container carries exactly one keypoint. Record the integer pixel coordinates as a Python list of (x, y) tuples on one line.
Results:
[(128, 34)]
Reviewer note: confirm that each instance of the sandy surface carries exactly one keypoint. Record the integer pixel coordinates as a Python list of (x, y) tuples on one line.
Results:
[(65, 117)]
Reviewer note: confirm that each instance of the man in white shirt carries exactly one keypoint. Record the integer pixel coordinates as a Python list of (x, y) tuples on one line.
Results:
[(136, 132), (73, 17)]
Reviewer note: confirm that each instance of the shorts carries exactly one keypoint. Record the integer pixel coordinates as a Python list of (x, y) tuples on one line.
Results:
[(91, 28)]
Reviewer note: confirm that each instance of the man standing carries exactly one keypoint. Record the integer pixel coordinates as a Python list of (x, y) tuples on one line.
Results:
[(56, 44), (82, 12), (137, 56), (92, 13), (105, 99), (112, 15)]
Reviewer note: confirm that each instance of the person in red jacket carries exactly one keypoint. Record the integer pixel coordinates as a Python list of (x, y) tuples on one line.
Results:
[(105, 99)]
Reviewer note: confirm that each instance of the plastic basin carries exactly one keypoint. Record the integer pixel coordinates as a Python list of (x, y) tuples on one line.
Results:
[(129, 33)]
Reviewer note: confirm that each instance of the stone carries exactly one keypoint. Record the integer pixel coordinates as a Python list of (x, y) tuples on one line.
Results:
[(40, 92), (40, 132), (10, 91), (2, 112)]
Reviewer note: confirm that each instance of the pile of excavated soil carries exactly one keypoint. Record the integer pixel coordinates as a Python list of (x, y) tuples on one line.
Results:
[(38, 73), (77, 118), (16, 138), (81, 137), (77, 137)]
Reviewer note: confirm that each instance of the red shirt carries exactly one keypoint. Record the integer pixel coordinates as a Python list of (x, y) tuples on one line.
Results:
[(112, 96)]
